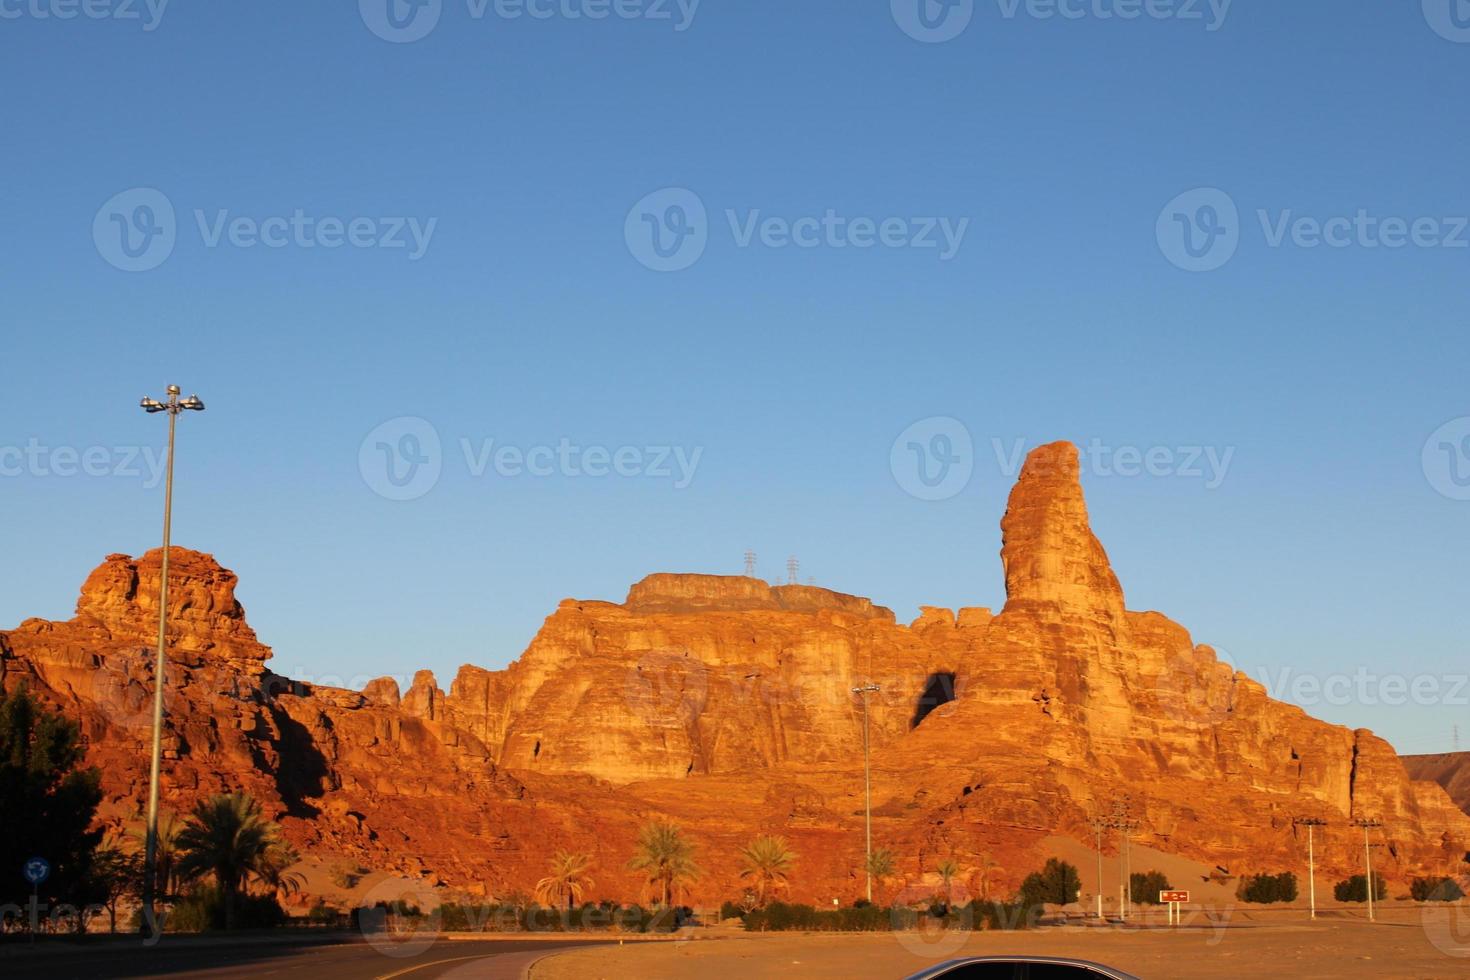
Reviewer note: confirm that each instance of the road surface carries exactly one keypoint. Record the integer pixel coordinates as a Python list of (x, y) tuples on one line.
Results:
[(318, 958)]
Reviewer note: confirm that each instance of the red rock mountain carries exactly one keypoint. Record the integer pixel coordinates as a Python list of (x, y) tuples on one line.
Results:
[(1449, 769), (725, 704)]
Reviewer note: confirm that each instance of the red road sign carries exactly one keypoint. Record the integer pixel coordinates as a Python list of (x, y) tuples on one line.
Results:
[(1166, 897)]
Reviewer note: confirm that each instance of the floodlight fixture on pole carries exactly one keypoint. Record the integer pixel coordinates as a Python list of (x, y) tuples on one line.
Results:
[(174, 406), (863, 691)]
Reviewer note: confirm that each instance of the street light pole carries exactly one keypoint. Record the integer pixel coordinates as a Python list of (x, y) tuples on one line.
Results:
[(173, 407), (1098, 823), (1368, 859), (863, 691), (1312, 823)]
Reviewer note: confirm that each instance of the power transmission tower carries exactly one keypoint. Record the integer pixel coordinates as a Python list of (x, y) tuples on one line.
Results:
[(792, 568), (749, 563)]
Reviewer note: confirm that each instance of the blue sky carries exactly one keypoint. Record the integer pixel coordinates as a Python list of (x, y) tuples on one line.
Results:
[(529, 152)]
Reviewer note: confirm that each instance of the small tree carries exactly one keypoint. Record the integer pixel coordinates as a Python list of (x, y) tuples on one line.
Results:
[(665, 858), (767, 862), (986, 867), (880, 865), (116, 873), (568, 880), (47, 803), (1355, 889), (948, 869), (1265, 889), (1144, 887), (1057, 884), (228, 838), (1435, 890)]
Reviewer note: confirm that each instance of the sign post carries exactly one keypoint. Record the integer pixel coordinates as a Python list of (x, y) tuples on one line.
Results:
[(36, 870), (1174, 899)]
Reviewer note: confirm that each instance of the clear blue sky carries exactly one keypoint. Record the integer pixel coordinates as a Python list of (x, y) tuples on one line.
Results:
[(529, 319)]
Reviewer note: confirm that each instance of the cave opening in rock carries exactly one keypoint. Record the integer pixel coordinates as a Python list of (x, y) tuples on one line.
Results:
[(536, 752), (938, 689)]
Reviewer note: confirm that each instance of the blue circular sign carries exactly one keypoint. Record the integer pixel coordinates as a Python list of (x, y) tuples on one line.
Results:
[(37, 870)]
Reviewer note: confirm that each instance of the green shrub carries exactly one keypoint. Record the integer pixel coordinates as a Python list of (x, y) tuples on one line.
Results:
[(863, 917), (1144, 887), (1057, 884), (1265, 889), (1355, 889), (202, 910), (1435, 890)]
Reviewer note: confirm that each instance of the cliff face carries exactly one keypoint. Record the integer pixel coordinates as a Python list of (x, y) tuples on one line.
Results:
[(727, 705), (1448, 769)]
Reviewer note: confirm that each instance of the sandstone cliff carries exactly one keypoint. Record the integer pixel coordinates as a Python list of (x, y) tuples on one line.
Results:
[(726, 704), (1449, 769)]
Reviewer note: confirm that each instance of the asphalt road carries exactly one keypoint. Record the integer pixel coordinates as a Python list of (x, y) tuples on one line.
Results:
[(307, 959)]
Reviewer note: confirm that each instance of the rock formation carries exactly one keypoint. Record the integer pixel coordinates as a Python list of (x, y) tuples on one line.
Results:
[(726, 704), (1449, 769)]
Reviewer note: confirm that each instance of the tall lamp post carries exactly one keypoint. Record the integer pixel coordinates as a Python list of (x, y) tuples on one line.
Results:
[(1368, 858), (863, 692), (174, 406), (1311, 823)]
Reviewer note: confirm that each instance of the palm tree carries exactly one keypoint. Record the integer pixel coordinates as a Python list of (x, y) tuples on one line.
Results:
[(986, 866), (166, 849), (768, 861), (665, 857), (948, 869), (227, 837), (567, 882), (272, 872), (880, 865)]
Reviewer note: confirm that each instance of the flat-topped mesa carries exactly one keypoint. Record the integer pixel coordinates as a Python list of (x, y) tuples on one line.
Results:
[(670, 593), (1055, 567), (121, 597)]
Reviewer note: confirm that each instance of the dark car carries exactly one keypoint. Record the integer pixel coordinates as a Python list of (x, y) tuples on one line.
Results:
[(1020, 968)]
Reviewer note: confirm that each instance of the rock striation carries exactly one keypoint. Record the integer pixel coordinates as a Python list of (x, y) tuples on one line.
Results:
[(726, 704)]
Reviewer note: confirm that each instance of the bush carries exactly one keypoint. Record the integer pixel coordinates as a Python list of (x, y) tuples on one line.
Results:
[(1056, 884), (1265, 889), (863, 917), (1355, 889), (203, 909), (1144, 887), (1435, 890)]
